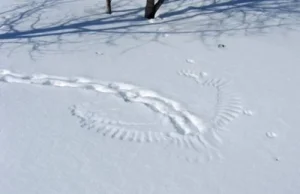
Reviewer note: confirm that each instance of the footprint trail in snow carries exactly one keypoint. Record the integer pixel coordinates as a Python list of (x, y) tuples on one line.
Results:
[(190, 131)]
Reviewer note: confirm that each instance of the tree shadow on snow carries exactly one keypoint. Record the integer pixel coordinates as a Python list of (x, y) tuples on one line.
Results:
[(35, 26)]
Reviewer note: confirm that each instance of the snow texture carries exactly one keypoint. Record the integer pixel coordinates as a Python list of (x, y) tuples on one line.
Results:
[(201, 99)]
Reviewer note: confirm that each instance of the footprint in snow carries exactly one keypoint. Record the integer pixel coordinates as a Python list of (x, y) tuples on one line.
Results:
[(248, 112), (203, 74), (160, 30), (271, 135), (191, 61), (221, 46), (188, 128), (99, 53)]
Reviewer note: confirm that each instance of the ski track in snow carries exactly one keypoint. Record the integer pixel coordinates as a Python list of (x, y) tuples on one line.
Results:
[(190, 129)]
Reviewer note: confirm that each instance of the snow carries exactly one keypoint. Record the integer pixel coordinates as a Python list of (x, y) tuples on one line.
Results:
[(201, 99), (271, 134)]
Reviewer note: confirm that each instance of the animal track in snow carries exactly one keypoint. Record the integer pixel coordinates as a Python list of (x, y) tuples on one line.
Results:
[(190, 131), (191, 61), (228, 106), (99, 53), (248, 112), (271, 134)]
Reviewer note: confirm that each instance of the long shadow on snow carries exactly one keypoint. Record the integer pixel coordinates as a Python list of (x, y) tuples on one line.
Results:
[(250, 16)]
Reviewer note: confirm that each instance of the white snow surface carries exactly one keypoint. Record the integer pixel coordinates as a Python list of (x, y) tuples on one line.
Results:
[(201, 99)]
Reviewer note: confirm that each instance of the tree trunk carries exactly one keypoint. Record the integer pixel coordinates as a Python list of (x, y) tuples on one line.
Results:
[(108, 6), (151, 8)]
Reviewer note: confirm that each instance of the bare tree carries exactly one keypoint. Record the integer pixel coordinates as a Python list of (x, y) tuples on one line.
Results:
[(108, 6), (25, 27), (150, 9)]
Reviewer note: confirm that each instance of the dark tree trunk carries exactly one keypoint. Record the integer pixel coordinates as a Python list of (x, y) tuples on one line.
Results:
[(108, 6), (152, 7), (149, 9)]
